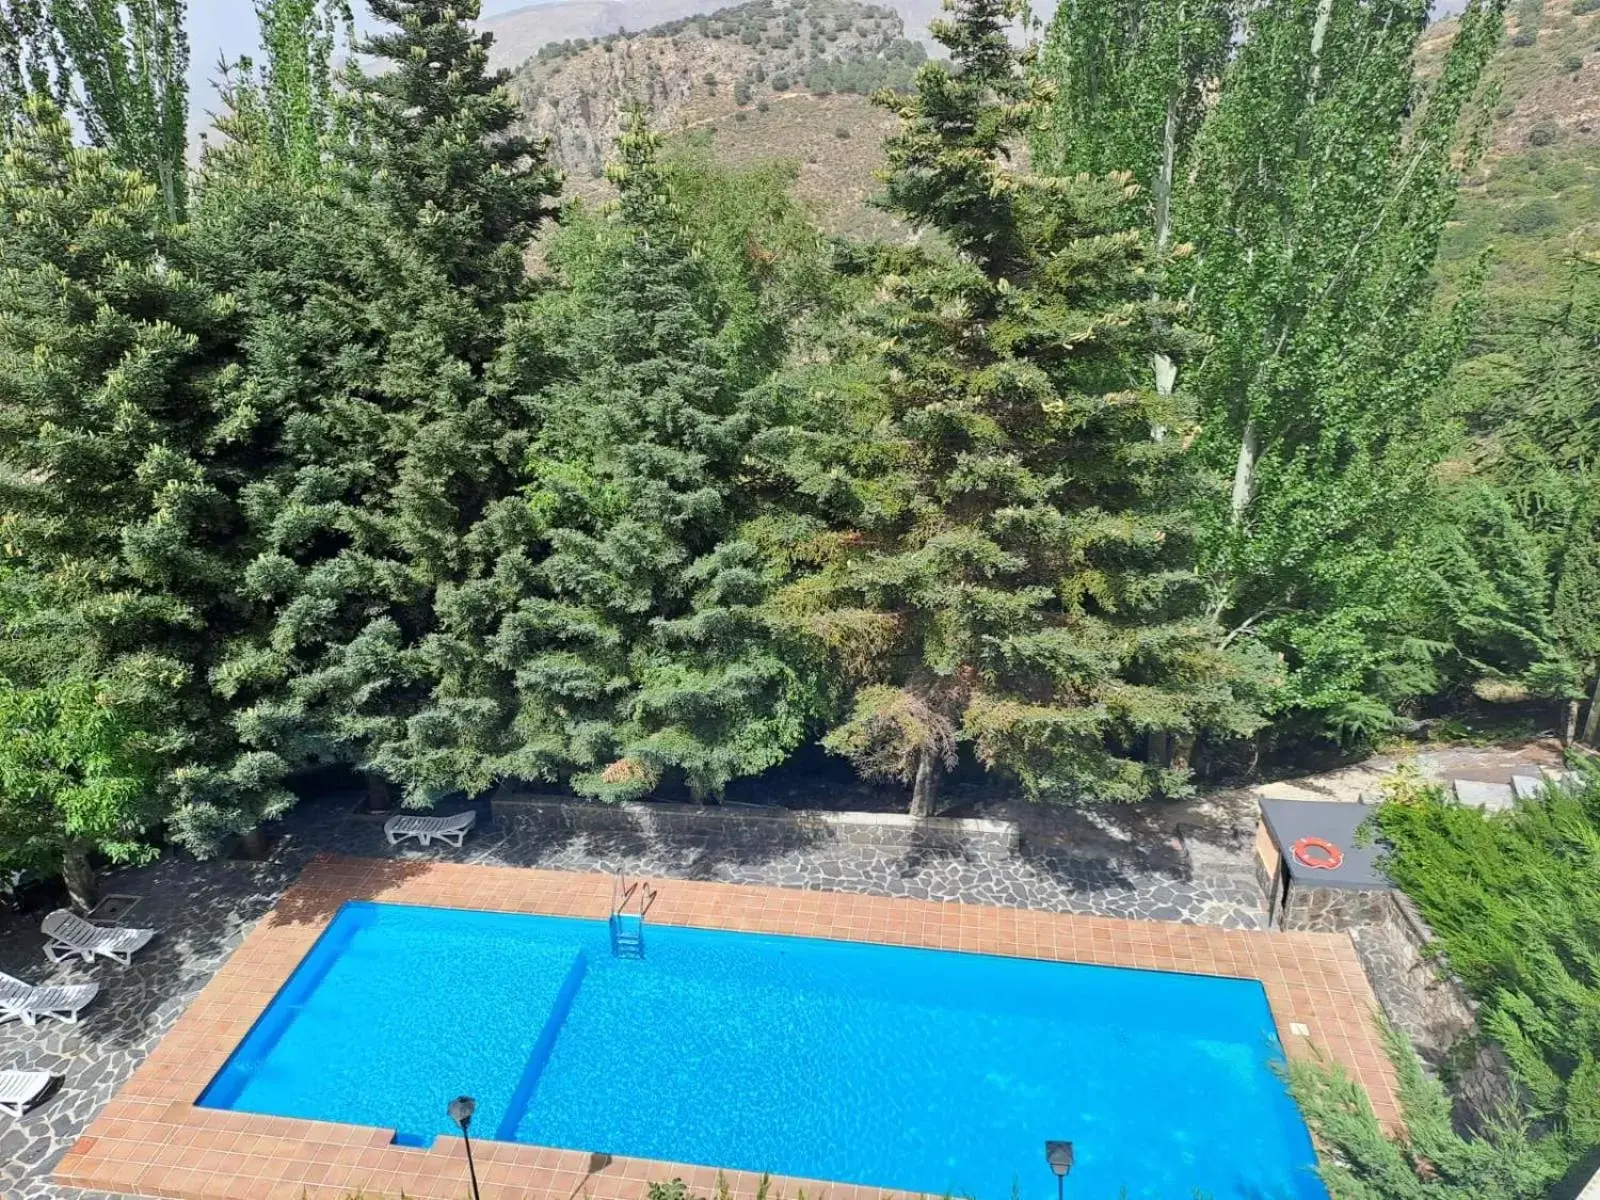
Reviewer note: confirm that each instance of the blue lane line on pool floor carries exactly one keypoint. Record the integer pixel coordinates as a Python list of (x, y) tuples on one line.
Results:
[(517, 1106)]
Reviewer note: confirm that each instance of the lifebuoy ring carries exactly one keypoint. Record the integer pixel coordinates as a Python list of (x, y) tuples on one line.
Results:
[(1317, 853)]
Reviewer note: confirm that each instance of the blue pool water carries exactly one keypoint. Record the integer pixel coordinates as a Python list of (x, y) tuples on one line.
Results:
[(910, 1070)]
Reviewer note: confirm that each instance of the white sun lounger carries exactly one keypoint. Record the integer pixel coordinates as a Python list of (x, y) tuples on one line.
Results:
[(70, 935), (18, 1089), (425, 829), (27, 1003)]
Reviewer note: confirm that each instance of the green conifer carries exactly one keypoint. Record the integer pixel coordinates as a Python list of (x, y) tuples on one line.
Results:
[(646, 649), (121, 501), (1020, 576)]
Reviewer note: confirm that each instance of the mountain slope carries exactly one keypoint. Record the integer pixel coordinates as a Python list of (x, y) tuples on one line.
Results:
[(520, 33), (766, 65)]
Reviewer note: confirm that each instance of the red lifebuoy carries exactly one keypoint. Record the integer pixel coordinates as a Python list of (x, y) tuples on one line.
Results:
[(1317, 853)]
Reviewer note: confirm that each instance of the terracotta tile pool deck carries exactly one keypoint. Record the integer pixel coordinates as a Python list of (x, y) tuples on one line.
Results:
[(151, 1140)]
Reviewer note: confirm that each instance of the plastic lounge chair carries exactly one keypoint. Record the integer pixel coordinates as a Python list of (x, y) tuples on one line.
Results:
[(70, 934), (425, 829), (18, 1089), (26, 1003)]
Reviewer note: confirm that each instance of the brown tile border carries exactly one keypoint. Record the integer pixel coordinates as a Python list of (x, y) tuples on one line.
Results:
[(151, 1140)]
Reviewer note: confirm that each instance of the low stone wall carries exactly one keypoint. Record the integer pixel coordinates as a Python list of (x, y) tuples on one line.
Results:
[(1333, 909), (1423, 1001), (761, 826)]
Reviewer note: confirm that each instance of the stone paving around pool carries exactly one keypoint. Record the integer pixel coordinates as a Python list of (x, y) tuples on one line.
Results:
[(204, 910), (152, 1140)]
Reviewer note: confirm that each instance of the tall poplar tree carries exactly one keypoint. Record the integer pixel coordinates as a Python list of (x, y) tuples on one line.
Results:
[(1317, 178), (1131, 80), (1020, 572), (127, 64)]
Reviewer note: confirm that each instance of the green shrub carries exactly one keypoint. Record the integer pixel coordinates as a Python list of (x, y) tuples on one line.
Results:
[(741, 92), (1359, 1161), (841, 132), (1531, 217), (1514, 902), (1581, 7), (762, 106), (1571, 62), (1524, 38), (1544, 133)]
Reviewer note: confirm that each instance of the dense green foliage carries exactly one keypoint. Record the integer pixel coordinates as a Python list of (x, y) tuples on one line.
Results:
[(1011, 563), (1513, 899), (1360, 1161), (121, 504), (1313, 188), (700, 487), (77, 774)]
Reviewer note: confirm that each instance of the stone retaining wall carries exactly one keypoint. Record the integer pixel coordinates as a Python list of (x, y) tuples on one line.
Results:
[(1426, 1003), (748, 824)]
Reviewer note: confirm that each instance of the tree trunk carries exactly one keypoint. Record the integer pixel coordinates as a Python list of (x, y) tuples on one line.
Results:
[(1166, 371), (1244, 471), (379, 798), (925, 791), (1591, 723), (1569, 726), (78, 875), (1158, 746), (1182, 750), (253, 844), (1163, 188)]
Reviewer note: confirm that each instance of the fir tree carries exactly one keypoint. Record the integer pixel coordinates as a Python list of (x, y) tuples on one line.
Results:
[(645, 649), (120, 497), (1021, 572), (395, 450)]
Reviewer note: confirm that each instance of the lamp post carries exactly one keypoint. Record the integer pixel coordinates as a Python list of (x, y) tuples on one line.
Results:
[(1059, 1156), (461, 1109)]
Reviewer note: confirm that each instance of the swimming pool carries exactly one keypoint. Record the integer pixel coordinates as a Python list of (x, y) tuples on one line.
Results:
[(905, 1069)]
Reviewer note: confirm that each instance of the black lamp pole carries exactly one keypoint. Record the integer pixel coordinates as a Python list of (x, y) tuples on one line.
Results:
[(461, 1109), (1059, 1156)]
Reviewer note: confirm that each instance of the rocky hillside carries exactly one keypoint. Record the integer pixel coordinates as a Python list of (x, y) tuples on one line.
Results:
[(519, 34), (1534, 202), (737, 64), (1548, 72)]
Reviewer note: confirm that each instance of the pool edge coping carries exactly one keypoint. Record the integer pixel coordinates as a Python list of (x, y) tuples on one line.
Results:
[(151, 1139)]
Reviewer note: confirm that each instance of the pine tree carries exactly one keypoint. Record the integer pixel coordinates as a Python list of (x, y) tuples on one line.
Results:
[(121, 508), (645, 649), (1020, 571), (396, 450)]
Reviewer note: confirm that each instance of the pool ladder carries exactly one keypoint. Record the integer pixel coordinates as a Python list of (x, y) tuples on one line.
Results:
[(629, 903)]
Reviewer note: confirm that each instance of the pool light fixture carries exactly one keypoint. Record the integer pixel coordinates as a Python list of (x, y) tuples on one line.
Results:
[(461, 1110), (1059, 1156)]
